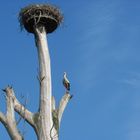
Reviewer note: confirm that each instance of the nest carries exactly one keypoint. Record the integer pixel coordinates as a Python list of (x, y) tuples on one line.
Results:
[(40, 15)]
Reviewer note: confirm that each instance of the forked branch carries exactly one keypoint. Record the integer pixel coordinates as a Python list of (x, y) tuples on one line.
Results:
[(18, 107), (8, 120)]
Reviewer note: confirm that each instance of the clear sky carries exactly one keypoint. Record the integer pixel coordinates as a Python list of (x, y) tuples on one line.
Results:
[(98, 45)]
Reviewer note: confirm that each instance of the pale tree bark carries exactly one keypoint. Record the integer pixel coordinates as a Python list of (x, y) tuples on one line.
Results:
[(49, 116), (63, 103), (45, 122), (45, 110), (8, 120)]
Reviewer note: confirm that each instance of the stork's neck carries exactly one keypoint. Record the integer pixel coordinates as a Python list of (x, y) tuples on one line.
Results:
[(65, 75)]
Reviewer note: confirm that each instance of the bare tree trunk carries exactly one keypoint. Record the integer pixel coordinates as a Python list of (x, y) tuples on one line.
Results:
[(45, 122), (49, 117)]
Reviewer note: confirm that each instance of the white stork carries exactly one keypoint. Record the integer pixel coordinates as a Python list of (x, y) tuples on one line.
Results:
[(66, 82)]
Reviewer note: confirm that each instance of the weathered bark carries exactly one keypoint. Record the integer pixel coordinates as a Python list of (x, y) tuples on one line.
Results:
[(49, 116), (63, 103), (23, 112), (2, 118), (8, 120), (46, 122)]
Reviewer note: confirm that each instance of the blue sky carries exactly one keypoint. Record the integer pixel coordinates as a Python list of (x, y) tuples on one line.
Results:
[(98, 46)]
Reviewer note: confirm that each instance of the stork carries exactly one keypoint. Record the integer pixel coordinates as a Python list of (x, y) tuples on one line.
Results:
[(66, 82)]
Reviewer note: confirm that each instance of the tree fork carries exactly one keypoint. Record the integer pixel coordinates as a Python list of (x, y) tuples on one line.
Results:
[(8, 120), (39, 19)]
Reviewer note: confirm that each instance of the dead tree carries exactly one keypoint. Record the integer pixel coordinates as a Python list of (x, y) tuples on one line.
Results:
[(39, 20)]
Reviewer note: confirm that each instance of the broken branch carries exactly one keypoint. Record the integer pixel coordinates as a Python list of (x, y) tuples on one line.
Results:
[(63, 103)]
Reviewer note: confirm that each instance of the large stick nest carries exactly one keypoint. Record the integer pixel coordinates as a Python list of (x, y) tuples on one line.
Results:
[(40, 15)]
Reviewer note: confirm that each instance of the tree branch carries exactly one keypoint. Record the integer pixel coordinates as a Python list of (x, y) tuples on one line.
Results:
[(63, 103), (18, 107), (22, 111), (9, 120), (2, 118), (10, 106)]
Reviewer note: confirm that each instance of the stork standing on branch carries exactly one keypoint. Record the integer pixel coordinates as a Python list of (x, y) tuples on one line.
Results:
[(66, 82)]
